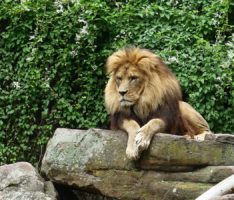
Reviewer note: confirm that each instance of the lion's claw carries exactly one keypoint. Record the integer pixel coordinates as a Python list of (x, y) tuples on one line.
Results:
[(142, 141), (132, 153)]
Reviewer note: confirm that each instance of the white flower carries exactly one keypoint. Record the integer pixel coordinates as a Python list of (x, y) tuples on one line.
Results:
[(32, 37), (83, 31), (59, 6), (73, 53), (94, 67), (229, 44), (29, 59), (25, 7), (215, 22), (230, 54), (226, 64), (218, 78), (47, 85), (218, 15), (78, 36), (82, 20), (34, 51), (173, 59), (16, 84)]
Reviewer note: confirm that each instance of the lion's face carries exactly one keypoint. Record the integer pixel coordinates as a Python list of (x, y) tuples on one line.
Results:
[(140, 79), (130, 84)]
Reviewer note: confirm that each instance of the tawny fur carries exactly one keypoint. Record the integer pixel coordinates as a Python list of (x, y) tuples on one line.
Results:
[(158, 80), (155, 95)]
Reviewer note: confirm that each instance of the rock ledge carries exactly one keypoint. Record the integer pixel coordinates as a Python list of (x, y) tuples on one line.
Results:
[(172, 168)]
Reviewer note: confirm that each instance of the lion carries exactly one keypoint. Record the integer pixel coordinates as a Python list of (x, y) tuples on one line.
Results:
[(143, 98)]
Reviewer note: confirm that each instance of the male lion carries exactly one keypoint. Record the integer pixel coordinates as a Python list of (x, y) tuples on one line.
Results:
[(144, 97)]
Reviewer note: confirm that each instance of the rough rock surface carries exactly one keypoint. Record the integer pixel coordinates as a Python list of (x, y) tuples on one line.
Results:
[(94, 160), (20, 181)]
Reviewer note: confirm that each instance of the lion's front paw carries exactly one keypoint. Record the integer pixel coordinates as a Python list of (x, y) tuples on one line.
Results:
[(199, 138), (132, 153), (142, 140)]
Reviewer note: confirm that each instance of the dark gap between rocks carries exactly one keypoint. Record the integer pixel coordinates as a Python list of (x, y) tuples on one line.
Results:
[(69, 193)]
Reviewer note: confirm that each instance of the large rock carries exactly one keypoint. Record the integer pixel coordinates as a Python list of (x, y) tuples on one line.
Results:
[(94, 160), (20, 181)]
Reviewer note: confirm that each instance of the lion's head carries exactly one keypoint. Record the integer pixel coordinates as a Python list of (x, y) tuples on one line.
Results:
[(139, 80)]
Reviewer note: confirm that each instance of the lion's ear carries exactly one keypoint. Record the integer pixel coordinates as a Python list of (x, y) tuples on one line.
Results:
[(150, 62), (114, 61), (111, 64), (158, 63)]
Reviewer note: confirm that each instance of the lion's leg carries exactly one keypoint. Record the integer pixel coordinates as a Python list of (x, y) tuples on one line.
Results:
[(131, 127), (201, 136), (195, 121), (146, 132)]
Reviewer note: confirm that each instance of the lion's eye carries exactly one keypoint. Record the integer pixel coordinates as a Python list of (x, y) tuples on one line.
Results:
[(133, 78), (118, 79)]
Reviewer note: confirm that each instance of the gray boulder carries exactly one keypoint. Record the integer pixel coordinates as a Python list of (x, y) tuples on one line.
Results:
[(20, 181)]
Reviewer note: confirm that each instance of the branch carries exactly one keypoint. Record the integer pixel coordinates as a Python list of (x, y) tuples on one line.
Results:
[(218, 190)]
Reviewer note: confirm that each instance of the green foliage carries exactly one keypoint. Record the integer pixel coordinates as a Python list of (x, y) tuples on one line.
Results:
[(52, 56)]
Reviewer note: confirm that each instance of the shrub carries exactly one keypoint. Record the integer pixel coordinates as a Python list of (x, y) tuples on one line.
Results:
[(52, 55)]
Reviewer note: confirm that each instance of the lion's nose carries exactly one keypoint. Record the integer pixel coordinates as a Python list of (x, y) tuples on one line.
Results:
[(122, 93)]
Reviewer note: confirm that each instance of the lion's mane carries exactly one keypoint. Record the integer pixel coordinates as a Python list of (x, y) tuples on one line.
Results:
[(161, 94)]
